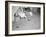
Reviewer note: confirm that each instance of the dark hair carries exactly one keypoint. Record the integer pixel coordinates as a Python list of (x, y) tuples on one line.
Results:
[(27, 9)]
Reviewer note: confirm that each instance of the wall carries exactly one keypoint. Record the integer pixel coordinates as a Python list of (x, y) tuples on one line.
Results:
[(2, 21)]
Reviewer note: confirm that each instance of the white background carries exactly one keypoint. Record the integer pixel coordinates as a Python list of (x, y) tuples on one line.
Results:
[(2, 19)]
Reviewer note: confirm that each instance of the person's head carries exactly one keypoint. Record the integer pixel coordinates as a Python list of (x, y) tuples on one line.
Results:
[(27, 9)]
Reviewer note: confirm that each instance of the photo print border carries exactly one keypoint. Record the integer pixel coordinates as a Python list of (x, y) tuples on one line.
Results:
[(6, 18)]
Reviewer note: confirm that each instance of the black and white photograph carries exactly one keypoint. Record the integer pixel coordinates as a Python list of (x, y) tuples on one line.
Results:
[(25, 18)]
